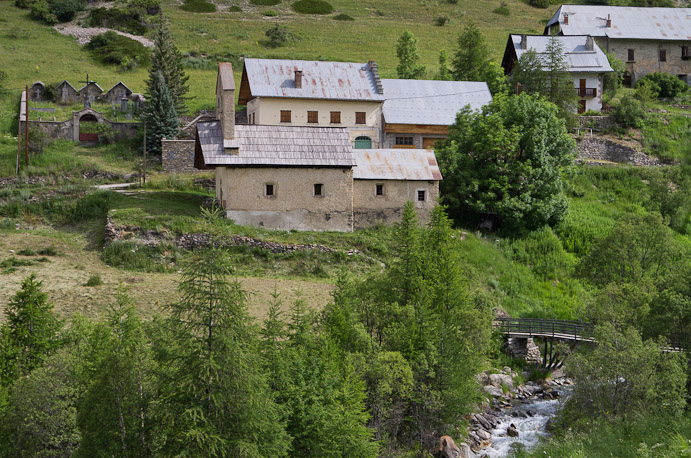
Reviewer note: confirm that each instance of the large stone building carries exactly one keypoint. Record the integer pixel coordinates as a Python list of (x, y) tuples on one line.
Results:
[(586, 61), (647, 40), (283, 176)]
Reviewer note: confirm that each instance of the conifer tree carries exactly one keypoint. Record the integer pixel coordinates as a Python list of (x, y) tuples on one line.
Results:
[(471, 57), (166, 58), (161, 117), (560, 83), (408, 57), (444, 71)]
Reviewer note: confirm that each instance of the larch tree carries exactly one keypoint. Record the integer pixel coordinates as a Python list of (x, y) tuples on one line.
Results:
[(166, 58), (161, 117), (409, 66), (561, 89), (471, 57)]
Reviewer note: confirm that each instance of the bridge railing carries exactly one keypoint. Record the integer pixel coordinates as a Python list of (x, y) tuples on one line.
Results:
[(562, 329)]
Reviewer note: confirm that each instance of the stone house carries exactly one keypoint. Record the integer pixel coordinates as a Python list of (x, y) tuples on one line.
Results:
[(378, 113), (116, 93), (586, 61), (66, 94), (285, 177), (647, 40)]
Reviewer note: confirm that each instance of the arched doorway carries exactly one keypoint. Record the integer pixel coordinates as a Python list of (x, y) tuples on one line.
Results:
[(88, 128), (363, 142)]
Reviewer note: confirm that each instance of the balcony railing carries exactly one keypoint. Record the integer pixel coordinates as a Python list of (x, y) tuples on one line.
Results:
[(586, 92)]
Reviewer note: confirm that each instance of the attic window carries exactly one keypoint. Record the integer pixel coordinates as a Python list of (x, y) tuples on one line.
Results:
[(313, 117), (335, 117), (285, 115), (360, 117), (318, 190)]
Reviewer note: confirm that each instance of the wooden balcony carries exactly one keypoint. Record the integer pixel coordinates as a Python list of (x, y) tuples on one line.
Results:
[(586, 92)]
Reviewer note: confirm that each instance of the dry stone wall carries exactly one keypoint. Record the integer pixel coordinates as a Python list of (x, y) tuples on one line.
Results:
[(177, 156), (600, 149)]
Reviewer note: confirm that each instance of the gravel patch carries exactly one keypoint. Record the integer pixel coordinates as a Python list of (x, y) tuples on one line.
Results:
[(85, 34)]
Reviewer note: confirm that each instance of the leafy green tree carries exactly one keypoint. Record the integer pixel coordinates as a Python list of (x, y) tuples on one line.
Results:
[(277, 35), (493, 75), (667, 85), (166, 58), (444, 71), (614, 80), (628, 112), (215, 395), (409, 66), (114, 415), (471, 57), (32, 326), (161, 117), (507, 160)]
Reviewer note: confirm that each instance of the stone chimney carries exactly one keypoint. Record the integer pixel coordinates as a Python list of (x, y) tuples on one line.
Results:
[(589, 43), (225, 99), (298, 79), (566, 19), (374, 68), (524, 41), (609, 21)]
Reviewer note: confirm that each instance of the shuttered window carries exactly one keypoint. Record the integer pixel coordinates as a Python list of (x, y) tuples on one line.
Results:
[(335, 117), (360, 117), (312, 117), (285, 115)]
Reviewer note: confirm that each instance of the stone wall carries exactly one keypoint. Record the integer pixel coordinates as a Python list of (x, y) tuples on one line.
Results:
[(601, 149), (599, 123), (124, 130), (177, 156)]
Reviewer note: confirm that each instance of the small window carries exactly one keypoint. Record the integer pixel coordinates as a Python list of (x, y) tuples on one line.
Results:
[(270, 190), (360, 117), (312, 117), (685, 52), (631, 55), (421, 196), (404, 140), (663, 55), (318, 190), (335, 117), (285, 115), (379, 189)]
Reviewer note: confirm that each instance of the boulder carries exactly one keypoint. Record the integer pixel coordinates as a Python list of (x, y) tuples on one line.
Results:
[(499, 380), (493, 391), (512, 431)]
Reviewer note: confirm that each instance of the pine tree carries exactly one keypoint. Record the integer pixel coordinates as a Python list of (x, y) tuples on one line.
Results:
[(408, 57), (161, 117), (561, 89), (217, 400), (166, 58), (471, 57), (33, 326)]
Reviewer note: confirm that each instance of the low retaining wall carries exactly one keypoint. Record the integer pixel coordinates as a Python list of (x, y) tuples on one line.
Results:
[(601, 149)]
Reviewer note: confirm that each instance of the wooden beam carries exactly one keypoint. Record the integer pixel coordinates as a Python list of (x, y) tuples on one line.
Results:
[(415, 129), (245, 93)]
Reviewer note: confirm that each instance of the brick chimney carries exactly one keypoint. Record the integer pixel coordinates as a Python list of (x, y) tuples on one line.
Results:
[(225, 99), (524, 41), (609, 21), (566, 19), (589, 43), (298, 79)]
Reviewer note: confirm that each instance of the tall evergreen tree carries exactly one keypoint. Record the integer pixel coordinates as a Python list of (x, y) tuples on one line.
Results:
[(409, 66), (166, 58), (472, 56), (560, 82), (216, 399), (161, 117)]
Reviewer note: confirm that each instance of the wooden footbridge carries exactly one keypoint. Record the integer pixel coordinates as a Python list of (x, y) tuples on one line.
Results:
[(551, 331)]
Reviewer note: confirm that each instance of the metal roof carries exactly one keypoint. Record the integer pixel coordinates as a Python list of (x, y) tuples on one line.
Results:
[(320, 80), (431, 102), (578, 56), (287, 146), (627, 22), (396, 164)]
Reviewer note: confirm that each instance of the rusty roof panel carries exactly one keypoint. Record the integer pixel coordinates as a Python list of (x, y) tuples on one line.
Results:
[(627, 22), (396, 164), (320, 80)]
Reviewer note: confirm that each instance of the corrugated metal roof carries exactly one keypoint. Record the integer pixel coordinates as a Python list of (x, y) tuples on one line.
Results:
[(627, 22), (277, 146), (396, 164), (320, 80), (431, 102), (578, 56)]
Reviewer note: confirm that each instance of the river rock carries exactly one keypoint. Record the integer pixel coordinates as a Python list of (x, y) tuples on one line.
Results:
[(499, 380), (493, 391), (511, 431), (483, 435)]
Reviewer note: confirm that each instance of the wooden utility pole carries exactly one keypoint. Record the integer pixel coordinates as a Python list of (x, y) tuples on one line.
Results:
[(145, 152), (26, 129)]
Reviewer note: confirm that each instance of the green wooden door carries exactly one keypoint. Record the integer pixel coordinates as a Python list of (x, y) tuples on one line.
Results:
[(363, 143)]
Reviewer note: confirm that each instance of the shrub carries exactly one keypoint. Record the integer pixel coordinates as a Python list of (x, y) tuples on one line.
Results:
[(198, 6), (127, 20), (441, 21), (48, 251), (40, 9), (343, 17), (669, 85), (265, 2), (539, 3), (629, 112), (26, 252), (65, 10), (17, 32), (151, 6), (234, 9), (502, 10), (111, 48), (278, 36), (312, 7), (270, 13), (94, 280)]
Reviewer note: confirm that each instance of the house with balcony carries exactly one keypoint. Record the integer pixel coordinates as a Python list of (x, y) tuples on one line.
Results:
[(586, 61), (647, 40)]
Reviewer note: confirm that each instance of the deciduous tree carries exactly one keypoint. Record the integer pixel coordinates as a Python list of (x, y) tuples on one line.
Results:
[(409, 66)]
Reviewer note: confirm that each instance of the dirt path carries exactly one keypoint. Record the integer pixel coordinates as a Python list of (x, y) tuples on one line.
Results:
[(84, 34), (64, 277)]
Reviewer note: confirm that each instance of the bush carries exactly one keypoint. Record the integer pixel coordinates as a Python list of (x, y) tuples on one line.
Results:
[(128, 20), (343, 17), (278, 36), (111, 48), (629, 112), (40, 9), (269, 13), (441, 21), (669, 85), (502, 10), (234, 9), (312, 7), (198, 6), (539, 3), (65, 10), (265, 2), (94, 280)]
